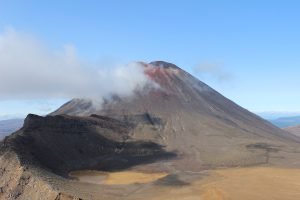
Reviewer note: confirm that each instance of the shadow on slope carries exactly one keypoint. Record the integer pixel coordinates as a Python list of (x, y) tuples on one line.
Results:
[(64, 143)]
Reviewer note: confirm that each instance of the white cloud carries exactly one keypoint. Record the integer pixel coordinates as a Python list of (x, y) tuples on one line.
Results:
[(28, 69)]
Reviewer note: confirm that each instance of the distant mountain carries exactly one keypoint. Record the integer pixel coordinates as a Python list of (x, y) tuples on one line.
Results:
[(294, 130), (284, 122), (9, 126), (272, 115)]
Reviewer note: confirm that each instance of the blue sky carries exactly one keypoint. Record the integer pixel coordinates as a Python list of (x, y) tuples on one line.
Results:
[(254, 44)]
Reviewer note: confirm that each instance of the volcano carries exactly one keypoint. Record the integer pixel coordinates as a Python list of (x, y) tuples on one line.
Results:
[(187, 116), (179, 126)]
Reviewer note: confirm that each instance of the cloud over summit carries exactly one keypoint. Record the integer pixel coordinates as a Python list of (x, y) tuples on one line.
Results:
[(28, 69)]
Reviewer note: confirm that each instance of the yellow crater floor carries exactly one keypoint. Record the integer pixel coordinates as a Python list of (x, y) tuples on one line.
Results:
[(116, 178)]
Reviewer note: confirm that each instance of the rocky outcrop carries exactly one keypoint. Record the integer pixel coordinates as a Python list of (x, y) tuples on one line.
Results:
[(48, 148)]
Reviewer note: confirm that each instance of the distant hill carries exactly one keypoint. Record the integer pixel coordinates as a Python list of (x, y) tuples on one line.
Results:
[(9, 126), (272, 115), (294, 130), (284, 122)]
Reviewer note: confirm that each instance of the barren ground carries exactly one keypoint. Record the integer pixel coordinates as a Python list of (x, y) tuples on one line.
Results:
[(262, 183)]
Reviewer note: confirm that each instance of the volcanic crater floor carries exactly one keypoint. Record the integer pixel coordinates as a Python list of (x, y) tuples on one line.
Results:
[(115, 178), (263, 183)]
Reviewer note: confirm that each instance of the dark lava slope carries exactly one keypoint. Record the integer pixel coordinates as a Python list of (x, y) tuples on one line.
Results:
[(52, 146)]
